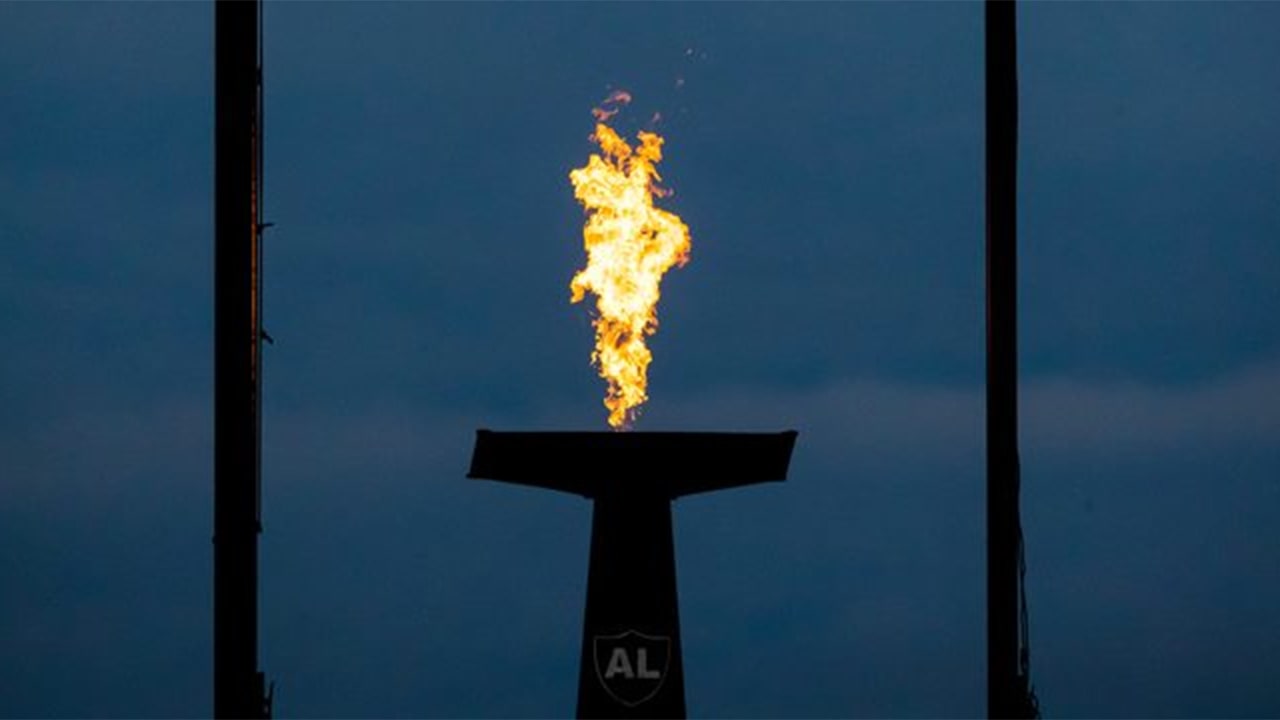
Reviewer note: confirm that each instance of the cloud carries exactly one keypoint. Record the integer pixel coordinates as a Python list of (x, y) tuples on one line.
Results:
[(846, 587), (394, 586), (1060, 416), (1232, 412)]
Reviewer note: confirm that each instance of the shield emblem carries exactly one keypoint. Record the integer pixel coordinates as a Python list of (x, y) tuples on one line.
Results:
[(631, 666)]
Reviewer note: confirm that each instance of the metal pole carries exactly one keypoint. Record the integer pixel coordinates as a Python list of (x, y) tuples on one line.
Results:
[(237, 684), (1006, 695)]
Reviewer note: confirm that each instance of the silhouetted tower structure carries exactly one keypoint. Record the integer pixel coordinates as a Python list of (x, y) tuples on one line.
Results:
[(1009, 692), (631, 663), (238, 686)]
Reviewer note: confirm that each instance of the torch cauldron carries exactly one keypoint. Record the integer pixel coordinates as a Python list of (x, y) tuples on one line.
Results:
[(631, 663)]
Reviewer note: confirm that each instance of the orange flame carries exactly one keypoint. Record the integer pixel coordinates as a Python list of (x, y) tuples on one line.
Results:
[(630, 244), (612, 105)]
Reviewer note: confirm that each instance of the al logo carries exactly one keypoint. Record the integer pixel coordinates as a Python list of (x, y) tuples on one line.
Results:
[(631, 666)]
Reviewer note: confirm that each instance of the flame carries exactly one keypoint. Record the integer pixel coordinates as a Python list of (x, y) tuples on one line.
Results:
[(630, 244), (612, 105)]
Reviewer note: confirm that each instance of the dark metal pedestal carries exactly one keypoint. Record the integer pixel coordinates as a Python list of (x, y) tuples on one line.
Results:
[(632, 664)]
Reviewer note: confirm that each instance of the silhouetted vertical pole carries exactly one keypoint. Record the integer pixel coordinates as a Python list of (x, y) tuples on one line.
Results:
[(1003, 687), (237, 684)]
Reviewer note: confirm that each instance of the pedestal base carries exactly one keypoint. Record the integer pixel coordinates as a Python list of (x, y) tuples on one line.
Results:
[(631, 663)]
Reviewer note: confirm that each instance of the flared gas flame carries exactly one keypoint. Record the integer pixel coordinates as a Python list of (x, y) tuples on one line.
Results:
[(630, 245)]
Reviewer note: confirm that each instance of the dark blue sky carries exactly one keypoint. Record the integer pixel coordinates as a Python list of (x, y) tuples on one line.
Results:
[(828, 160)]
